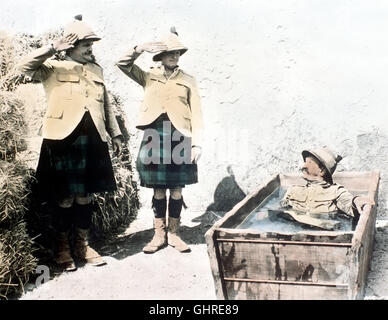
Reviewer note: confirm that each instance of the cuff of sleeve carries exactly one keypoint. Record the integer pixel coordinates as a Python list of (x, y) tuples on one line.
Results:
[(353, 203)]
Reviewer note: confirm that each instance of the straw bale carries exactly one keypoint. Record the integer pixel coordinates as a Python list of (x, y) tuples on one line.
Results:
[(17, 263), (13, 48), (12, 126), (7, 54), (14, 191), (9, 74)]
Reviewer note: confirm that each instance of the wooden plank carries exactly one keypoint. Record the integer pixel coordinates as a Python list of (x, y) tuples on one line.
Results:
[(330, 244), (307, 236), (284, 262), (299, 283), (268, 291), (362, 243), (214, 259)]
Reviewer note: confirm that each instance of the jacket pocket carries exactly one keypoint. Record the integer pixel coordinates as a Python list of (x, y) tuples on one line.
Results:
[(68, 77), (55, 113), (182, 92), (99, 85), (324, 202), (298, 195), (67, 82), (324, 196)]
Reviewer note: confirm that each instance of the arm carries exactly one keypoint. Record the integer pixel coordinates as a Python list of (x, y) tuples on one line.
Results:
[(34, 64), (347, 203), (111, 124), (196, 115), (196, 123), (126, 63)]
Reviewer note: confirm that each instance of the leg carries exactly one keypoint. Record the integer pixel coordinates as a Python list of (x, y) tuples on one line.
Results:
[(175, 204), (62, 221), (83, 211), (159, 206), (83, 220), (159, 194)]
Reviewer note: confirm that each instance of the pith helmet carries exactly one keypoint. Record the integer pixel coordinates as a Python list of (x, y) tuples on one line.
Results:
[(172, 42), (81, 29), (326, 157)]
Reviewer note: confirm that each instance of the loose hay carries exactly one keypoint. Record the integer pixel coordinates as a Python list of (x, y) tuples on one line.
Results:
[(17, 263), (12, 126), (7, 54), (14, 191)]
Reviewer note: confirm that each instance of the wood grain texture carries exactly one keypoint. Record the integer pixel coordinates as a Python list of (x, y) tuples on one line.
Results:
[(248, 264)]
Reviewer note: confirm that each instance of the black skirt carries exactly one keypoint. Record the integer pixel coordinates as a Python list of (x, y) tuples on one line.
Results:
[(80, 163), (163, 160)]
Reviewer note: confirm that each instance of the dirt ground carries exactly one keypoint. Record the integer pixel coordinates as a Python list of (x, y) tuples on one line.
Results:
[(168, 274), (131, 274)]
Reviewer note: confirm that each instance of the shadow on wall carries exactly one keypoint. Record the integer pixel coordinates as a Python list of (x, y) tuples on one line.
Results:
[(226, 195)]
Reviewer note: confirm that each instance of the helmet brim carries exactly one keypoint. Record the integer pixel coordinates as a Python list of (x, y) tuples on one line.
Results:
[(93, 38), (158, 57)]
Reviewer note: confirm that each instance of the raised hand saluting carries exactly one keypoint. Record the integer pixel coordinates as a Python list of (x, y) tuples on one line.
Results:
[(65, 43)]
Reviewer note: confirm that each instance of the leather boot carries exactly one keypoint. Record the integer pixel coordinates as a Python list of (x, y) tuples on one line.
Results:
[(83, 251), (63, 255), (172, 236), (159, 240)]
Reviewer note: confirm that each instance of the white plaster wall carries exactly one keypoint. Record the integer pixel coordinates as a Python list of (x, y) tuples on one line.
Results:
[(275, 77)]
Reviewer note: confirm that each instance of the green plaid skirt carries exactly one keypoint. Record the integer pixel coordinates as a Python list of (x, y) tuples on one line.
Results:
[(163, 161), (80, 163)]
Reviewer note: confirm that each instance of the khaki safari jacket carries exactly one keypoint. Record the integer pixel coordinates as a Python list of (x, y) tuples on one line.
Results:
[(319, 199), (71, 90), (177, 96)]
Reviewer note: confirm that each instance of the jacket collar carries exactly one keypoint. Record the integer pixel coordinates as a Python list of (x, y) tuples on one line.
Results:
[(323, 184), (160, 71)]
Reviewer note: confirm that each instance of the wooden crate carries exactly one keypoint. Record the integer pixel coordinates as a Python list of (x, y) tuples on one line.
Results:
[(248, 264)]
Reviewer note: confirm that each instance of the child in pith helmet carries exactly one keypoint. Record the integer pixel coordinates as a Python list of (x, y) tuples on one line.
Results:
[(171, 115)]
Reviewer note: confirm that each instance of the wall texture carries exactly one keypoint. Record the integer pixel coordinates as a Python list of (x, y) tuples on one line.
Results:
[(275, 77)]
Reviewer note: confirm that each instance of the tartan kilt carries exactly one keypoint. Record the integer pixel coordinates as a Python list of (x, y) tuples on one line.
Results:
[(80, 163), (165, 174)]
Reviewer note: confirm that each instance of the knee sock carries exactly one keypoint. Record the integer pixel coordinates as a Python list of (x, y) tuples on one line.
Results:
[(159, 207), (83, 215), (62, 219), (175, 207)]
